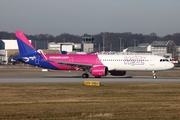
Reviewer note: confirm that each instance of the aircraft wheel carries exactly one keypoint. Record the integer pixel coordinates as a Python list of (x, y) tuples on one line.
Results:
[(154, 74), (85, 75), (155, 77)]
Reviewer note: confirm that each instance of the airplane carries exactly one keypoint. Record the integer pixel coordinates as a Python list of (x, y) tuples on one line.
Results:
[(94, 64)]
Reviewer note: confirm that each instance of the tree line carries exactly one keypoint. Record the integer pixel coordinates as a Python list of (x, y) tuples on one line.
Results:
[(112, 41)]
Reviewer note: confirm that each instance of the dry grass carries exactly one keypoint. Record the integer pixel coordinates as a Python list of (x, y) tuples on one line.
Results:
[(135, 101)]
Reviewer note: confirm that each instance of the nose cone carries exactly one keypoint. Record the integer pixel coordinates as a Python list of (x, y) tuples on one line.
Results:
[(170, 65)]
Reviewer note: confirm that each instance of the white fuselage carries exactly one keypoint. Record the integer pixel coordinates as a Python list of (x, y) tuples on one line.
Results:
[(135, 62)]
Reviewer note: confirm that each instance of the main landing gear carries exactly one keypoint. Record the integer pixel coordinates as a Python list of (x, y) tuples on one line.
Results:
[(154, 74), (85, 75)]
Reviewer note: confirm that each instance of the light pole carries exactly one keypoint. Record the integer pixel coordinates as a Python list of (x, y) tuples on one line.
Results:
[(35, 44), (103, 40), (110, 46), (99, 48), (120, 43), (134, 44)]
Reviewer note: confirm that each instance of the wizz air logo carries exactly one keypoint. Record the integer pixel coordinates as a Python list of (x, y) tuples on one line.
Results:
[(134, 60), (32, 58), (26, 59)]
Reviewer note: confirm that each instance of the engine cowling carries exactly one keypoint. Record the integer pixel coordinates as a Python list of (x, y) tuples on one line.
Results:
[(99, 71), (117, 73)]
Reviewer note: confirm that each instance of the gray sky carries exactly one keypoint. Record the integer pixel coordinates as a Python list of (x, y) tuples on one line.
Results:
[(90, 16)]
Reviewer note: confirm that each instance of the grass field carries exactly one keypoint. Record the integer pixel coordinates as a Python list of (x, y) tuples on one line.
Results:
[(118, 101)]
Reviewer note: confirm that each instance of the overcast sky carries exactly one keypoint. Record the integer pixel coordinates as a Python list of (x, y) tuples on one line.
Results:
[(90, 16)]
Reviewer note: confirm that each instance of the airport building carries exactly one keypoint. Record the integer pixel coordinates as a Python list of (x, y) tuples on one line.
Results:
[(65, 46), (141, 48), (178, 52), (87, 43), (86, 46), (162, 48)]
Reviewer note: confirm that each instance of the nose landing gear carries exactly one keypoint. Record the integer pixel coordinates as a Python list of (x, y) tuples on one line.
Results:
[(154, 74)]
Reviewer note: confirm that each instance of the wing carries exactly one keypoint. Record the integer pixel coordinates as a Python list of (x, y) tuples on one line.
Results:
[(79, 65)]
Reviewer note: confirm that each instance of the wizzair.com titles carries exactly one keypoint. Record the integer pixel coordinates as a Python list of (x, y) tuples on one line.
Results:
[(59, 57)]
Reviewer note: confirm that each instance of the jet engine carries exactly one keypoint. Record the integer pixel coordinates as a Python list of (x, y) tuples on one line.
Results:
[(99, 71), (117, 73)]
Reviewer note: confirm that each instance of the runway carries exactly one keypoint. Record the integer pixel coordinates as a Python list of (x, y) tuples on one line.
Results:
[(81, 80), (74, 77)]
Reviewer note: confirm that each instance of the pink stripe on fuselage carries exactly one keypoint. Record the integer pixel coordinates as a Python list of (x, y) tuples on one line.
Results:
[(74, 58), (22, 37)]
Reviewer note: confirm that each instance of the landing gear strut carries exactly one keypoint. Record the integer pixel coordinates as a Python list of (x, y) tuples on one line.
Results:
[(154, 74), (85, 75)]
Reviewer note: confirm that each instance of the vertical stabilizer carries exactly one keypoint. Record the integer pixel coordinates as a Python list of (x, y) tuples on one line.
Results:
[(25, 47)]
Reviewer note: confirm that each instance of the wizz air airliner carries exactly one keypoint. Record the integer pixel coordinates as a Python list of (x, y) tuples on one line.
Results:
[(94, 64)]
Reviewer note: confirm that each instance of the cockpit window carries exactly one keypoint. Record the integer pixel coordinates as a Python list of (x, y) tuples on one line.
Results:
[(163, 60)]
